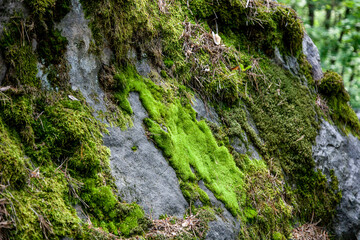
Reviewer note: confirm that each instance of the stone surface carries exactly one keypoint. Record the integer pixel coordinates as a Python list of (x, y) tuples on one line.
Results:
[(141, 63), (204, 111), (341, 153), (141, 172), (312, 55), (42, 74), (241, 148), (226, 226), (85, 66), (287, 62)]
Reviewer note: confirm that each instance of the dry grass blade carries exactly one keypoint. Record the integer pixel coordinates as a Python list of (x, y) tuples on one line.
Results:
[(74, 185), (6, 220), (322, 104), (45, 224)]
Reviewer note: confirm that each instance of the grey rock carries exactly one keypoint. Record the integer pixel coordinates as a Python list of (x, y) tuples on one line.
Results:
[(249, 148), (226, 226), (42, 74), (241, 148), (143, 175), (312, 55), (141, 63), (204, 111), (287, 62), (80, 213), (34, 44), (85, 66), (342, 154)]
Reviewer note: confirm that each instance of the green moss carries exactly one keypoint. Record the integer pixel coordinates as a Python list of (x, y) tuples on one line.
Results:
[(266, 210), (278, 236), (52, 47), (168, 63), (19, 57), (13, 169), (284, 113), (265, 26), (306, 69), (73, 165), (188, 143), (134, 148), (45, 13), (332, 88)]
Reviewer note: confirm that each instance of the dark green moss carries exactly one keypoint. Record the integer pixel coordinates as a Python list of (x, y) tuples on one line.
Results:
[(284, 112), (19, 56), (332, 88), (264, 25), (52, 47), (66, 146)]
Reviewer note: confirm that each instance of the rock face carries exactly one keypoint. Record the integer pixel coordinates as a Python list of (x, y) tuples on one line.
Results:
[(225, 227), (7, 9), (341, 153), (312, 55), (141, 172), (205, 111), (288, 62), (84, 66)]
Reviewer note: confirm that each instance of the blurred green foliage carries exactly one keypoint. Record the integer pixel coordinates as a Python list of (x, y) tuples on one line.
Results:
[(334, 26)]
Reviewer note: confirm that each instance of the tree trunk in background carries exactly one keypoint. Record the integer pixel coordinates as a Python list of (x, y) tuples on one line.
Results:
[(311, 7), (328, 18)]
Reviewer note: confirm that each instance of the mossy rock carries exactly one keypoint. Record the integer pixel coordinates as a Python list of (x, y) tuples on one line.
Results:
[(333, 84)]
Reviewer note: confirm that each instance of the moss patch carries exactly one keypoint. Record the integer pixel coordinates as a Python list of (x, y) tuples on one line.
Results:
[(332, 88), (187, 143), (66, 164), (285, 115)]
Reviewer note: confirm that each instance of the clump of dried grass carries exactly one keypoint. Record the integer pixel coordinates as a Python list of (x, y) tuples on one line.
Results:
[(310, 231), (171, 227)]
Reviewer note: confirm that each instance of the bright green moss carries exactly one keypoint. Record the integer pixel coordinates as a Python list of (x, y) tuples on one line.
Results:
[(278, 236), (188, 143)]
